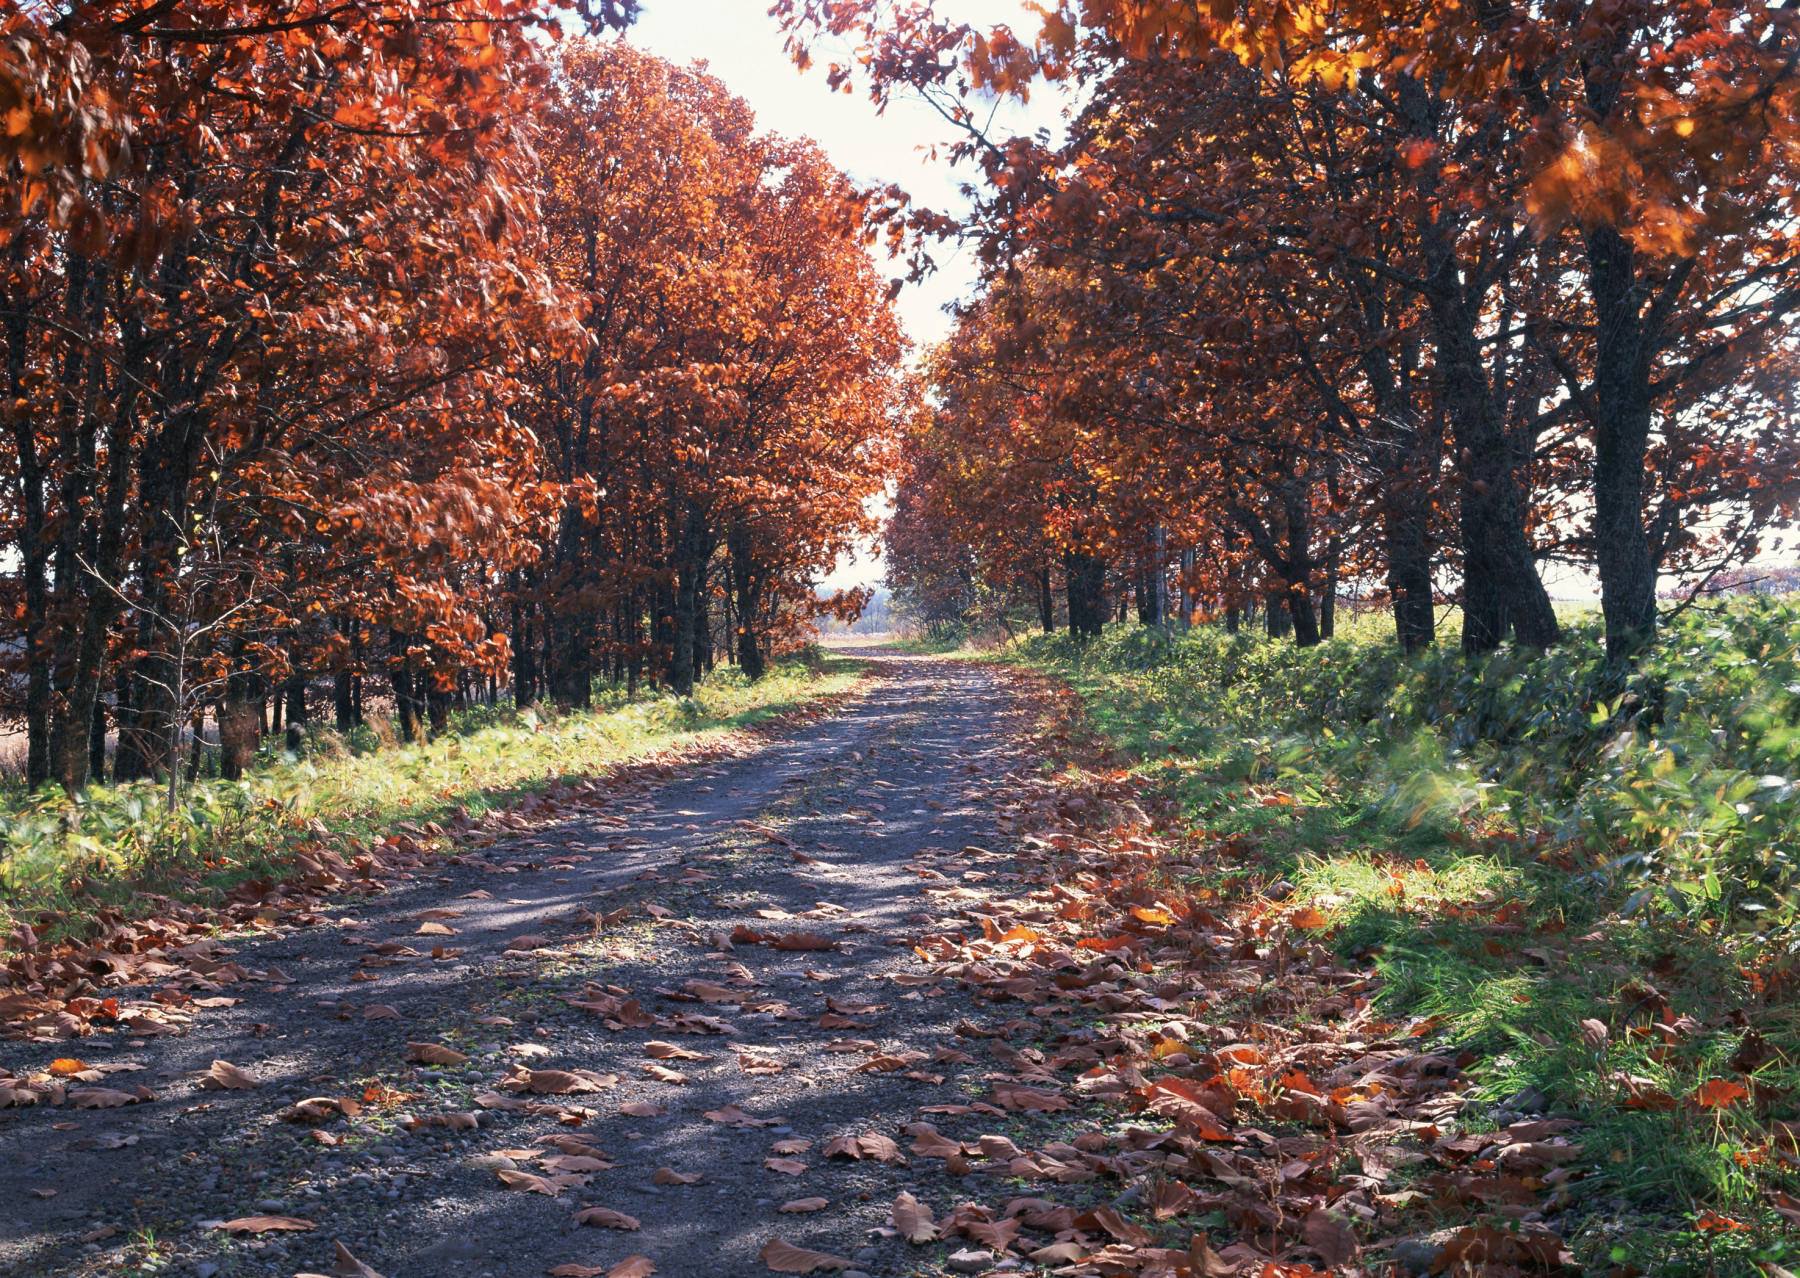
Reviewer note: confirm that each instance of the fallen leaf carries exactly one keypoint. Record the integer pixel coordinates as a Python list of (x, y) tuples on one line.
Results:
[(796, 1206), (606, 1218), (914, 1220), (435, 1054), (265, 1224), (223, 1076), (785, 1258)]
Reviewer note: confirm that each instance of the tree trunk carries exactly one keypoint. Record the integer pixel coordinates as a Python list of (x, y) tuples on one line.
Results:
[(1621, 398), (1086, 583), (746, 589), (1405, 526), (1046, 602), (1278, 622), (405, 684), (240, 719)]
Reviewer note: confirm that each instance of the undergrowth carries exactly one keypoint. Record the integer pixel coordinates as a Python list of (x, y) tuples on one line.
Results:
[(64, 859), (1588, 880)]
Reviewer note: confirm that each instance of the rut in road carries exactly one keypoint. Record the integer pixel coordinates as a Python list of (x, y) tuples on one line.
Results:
[(828, 832)]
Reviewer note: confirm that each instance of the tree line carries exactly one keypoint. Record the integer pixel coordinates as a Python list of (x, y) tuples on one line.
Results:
[(425, 347), (1416, 296)]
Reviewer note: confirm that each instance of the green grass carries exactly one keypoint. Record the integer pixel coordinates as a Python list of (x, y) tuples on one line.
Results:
[(63, 860), (1517, 847)]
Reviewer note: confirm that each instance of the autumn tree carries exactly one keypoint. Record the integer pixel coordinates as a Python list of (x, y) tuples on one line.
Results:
[(1569, 219)]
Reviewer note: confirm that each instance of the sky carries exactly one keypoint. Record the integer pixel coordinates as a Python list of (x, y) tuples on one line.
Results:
[(742, 46)]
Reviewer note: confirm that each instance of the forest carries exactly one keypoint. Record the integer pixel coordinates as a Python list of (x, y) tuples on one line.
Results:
[(407, 348), (1313, 792)]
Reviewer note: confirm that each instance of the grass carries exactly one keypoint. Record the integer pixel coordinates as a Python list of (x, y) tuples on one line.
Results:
[(1582, 881), (63, 861)]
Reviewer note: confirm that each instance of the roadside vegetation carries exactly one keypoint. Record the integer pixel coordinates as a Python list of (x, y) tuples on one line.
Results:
[(1581, 883), (63, 859)]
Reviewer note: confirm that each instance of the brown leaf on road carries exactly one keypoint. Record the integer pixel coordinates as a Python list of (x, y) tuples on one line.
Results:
[(435, 1054), (669, 1176), (344, 1265), (549, 1186), (798, 1206), (265, 1224), (223, 1076), (556, 1082), (642, 1109), (802, 941), (607, 1218), (316, 1109), (785, 1258), (381, 1012), (785, 1166), (914, 1220), (658, 1050), (632, 1267)]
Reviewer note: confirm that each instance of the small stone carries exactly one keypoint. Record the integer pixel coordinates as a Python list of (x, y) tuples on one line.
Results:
[(969, 1261), (205, 1269), (1528, 1101), (1416, 1255)]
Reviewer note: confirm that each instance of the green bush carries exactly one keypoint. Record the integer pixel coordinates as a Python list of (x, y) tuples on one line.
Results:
[(1678, 779)]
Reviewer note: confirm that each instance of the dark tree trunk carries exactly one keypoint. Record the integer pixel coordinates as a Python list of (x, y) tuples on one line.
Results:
[(1405, 518), (1334, 556), (406, 684), (97, 742), (1046, 602), (523, 676), (746, 588), (1622, 405), (691, 555), (1085, 577), (1278, 622)]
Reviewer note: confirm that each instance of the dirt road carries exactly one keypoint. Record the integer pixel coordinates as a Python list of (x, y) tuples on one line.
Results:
[(823, 838)]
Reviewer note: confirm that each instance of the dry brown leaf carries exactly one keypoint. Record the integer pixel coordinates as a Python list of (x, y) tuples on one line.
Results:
[(914, 1220), (223, 1076), (632, 1267), (606, 1218), (785, 1258), (669, 1176), (435, 1054), (549, 1186), (265, 1224), (796, 1206)]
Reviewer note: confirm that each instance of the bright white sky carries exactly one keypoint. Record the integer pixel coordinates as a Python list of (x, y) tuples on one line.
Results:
[(742, 46)]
